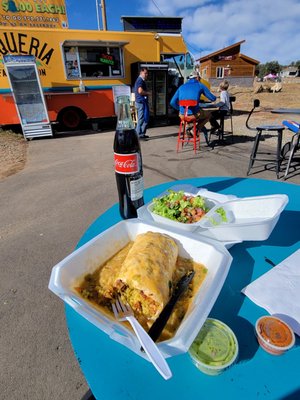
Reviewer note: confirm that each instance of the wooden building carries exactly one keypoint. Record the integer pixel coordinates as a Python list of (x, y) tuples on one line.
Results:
[(228, 63)]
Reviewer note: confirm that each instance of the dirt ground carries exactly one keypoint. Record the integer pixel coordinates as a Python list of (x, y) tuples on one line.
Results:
[(13, 152), (13, 147)]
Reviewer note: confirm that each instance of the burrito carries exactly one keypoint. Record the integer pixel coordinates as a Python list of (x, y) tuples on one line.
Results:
[(110, 272), (145, 277)]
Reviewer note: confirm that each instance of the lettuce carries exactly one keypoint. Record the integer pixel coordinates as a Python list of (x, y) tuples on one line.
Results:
[(178, 206)]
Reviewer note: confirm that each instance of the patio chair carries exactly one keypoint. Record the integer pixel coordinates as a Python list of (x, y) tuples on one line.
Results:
[(259, 129), (222, 119), (293, 145)]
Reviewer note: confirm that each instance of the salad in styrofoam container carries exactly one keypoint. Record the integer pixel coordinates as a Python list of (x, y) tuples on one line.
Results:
[(182, 209)]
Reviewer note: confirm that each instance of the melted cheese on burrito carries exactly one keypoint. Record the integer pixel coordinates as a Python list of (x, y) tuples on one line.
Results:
[(110, 272), (145, 277)]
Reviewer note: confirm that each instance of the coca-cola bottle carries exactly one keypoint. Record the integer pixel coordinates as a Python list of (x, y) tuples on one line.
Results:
[(128, 162)]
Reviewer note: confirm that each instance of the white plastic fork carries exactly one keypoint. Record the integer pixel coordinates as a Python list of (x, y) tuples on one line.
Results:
[(124, 312)]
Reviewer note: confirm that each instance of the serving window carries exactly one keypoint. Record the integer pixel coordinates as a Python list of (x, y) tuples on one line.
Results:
[(93, 61)]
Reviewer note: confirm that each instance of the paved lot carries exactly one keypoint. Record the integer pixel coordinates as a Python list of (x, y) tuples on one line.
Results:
[(67, 182)]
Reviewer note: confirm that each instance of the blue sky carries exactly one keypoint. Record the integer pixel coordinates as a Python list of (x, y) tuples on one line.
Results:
[(271, 28)]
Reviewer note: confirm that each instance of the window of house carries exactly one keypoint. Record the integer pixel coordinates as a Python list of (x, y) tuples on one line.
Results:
[(93, 61), (204, 73), (220, 72)]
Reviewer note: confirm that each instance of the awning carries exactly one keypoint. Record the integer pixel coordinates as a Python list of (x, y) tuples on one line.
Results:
[(107, 43)]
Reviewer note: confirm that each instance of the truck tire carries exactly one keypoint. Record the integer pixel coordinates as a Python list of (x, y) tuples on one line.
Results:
[(71, 118)]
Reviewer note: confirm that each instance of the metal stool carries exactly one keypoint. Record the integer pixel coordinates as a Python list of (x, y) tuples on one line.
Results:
[(259, 129), (185, 119)]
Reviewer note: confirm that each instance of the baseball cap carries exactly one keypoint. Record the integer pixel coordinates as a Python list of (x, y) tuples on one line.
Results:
[(193, 74)]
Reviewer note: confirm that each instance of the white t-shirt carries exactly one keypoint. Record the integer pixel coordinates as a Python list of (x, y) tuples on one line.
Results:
[(224, 98)]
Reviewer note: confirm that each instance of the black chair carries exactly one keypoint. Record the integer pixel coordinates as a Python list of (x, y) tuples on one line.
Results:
[(228, 116), (223, 116), (259, 129)]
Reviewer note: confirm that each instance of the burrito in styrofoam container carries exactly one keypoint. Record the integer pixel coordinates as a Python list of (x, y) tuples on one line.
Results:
[(90, 256)]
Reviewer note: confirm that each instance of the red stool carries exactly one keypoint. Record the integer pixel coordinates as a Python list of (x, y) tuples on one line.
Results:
[(185, 119)]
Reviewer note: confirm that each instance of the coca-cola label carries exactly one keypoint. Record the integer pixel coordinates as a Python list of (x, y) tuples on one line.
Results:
[(126, 163)]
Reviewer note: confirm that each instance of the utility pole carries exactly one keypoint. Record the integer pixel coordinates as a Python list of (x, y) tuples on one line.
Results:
[(103, 15), (97, 13), (103, 10)]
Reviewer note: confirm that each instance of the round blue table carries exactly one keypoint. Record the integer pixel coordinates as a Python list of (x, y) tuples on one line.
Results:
[(286, 111), (114, 372)]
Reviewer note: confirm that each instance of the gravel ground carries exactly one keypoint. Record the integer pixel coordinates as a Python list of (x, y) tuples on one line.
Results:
[(13, 152)]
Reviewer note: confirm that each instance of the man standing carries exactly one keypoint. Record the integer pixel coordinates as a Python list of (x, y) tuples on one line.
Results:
[(192, 90), (141, 103)]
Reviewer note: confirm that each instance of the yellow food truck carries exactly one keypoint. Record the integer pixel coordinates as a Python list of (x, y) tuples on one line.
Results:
[(97, 61)]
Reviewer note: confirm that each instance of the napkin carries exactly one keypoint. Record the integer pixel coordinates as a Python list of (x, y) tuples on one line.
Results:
[(278, 291)]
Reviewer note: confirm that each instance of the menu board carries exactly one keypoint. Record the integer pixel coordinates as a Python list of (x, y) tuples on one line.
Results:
[(34, 13)]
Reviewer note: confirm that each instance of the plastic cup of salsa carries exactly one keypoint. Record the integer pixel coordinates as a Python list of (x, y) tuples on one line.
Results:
[(215, 348), (274, 335)]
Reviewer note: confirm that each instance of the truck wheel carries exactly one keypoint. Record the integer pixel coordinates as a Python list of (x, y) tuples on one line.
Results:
[(71, 118)]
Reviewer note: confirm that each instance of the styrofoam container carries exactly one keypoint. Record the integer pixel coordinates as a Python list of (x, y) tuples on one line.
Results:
[(176, 224), (249, 218), (66, 274)]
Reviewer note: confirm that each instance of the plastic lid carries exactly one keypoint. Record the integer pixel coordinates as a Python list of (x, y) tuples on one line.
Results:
[(275, 332), (215, 344)]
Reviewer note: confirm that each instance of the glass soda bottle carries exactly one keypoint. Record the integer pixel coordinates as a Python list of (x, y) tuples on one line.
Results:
[(128, 162)]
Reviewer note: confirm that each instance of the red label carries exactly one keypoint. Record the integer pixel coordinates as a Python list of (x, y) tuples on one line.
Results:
[(126, 163)]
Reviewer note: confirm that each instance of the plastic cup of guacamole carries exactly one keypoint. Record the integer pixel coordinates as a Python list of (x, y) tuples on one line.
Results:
[(274, 335), (215, 348)]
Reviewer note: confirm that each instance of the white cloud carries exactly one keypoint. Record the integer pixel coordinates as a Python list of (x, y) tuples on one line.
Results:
[(270, 28)]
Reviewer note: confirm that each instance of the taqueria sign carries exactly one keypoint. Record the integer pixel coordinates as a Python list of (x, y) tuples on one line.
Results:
[(33, 13)]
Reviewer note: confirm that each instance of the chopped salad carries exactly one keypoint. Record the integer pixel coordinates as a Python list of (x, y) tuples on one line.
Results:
[(180, 207)]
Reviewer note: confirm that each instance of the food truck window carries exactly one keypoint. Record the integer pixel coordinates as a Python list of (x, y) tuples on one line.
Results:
[(179, 64), (93, 62), (189, 62)]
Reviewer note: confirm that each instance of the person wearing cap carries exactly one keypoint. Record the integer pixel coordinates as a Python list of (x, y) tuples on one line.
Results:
[(192, 90)]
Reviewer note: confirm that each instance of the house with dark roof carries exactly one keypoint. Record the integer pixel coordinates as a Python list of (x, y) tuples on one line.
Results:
[(228, 63)]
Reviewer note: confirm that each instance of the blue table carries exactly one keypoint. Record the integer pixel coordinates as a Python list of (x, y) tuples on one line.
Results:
[(286, 111), (114, 372)]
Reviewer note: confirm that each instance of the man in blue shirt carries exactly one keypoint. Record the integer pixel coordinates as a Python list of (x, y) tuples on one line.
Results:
[(192, 90), (141, 103)]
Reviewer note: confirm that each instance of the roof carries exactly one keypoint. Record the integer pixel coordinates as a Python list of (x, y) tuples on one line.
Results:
[(290, 69), (208, 56), (249, 59), (220, 51)]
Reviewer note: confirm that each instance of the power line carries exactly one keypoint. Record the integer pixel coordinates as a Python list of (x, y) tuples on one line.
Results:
[(193, 48), (157, 7)]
